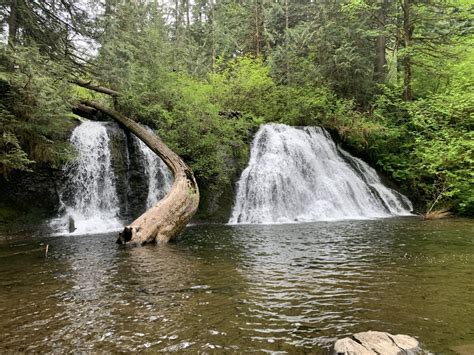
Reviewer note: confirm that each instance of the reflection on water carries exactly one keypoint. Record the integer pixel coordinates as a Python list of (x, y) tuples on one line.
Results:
[(291, 288)]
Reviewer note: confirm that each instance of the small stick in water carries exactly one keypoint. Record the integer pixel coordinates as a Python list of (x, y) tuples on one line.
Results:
[(46, 251)]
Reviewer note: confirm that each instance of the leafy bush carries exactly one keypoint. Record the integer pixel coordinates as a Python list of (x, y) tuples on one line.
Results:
[(428, 146)]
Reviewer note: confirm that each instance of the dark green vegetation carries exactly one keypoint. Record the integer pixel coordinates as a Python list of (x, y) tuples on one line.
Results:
[(393, 79)]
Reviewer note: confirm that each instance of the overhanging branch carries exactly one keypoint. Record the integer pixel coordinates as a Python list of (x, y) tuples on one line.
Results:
[(97, 88)]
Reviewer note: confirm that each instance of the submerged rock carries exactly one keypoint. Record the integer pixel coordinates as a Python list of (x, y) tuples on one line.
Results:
[(72, 226), (372, 342)]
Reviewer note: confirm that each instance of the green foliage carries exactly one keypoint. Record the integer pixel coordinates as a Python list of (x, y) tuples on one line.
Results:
[(335, 50), (184, 110), (33, 110), (12, 157), (207, 83), (244, 85), (194, 129), (427, 145), (188, 120)]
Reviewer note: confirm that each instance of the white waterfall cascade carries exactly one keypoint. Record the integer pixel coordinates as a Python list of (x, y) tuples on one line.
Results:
[(89, 197), (300, 175), (158, 174)]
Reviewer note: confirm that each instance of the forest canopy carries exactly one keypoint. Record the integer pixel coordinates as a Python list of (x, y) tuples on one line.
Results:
[(393, 79)]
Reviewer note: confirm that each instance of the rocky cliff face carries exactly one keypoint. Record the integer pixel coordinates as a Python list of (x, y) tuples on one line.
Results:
[(29, 198), (130, 176)]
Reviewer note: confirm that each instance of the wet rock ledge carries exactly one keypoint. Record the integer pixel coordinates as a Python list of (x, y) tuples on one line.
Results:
[(372, 343)]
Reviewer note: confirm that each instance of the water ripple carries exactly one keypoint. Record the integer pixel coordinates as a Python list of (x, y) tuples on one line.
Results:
[(277, 289)]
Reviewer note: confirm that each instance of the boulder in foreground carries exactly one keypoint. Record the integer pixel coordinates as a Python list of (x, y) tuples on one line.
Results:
[(372, 343)]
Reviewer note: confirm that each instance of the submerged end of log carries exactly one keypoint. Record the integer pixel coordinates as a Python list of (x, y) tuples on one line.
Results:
[(164, 221), (125, 236)]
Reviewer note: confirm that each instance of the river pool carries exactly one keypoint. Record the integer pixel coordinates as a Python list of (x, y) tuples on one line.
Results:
[(291, 288)]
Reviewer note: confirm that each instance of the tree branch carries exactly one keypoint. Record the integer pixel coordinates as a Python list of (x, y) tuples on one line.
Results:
[(101, 89)]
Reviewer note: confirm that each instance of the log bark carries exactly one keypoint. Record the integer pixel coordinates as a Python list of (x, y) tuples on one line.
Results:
[(101, 89), (84, 111), (168, 217)]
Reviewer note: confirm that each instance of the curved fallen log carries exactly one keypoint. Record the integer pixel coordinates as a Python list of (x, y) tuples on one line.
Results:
[(163, 221)]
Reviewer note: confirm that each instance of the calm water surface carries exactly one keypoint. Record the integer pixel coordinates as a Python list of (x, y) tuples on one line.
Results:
[(289, 288)]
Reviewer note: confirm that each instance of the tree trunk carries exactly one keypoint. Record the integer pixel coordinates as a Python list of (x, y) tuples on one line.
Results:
[(380, 59), (13, 22), (187, 14), (407, 38), (257, 34), (177, 19), (287, 43), (169, 216), (266, 33), (213, 37)]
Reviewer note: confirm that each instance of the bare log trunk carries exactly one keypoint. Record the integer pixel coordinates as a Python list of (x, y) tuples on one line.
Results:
[(163, 221)]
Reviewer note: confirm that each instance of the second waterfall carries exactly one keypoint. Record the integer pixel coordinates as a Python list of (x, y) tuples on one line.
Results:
[(299, 174)]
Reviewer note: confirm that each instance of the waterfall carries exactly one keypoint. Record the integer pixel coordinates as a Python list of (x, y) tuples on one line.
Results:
[(299, 174), (89, 197), (98, 181), (157, 173)]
